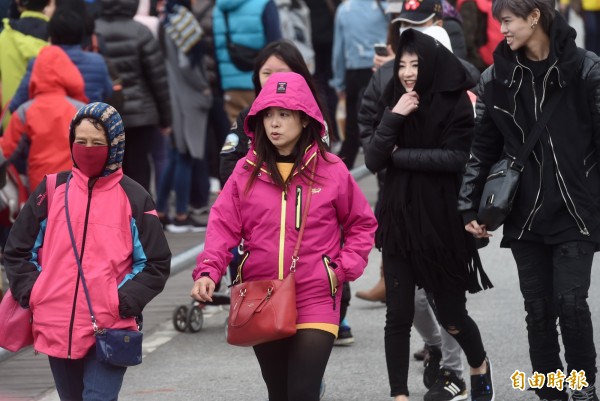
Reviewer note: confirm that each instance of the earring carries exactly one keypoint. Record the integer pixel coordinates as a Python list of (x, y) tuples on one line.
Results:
[(533, 24), (304, 125)]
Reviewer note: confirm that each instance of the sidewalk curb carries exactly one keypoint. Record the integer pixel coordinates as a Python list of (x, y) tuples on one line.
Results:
[(187, 258)]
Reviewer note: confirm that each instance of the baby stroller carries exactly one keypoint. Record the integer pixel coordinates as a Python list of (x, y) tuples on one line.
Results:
[(190, 317)]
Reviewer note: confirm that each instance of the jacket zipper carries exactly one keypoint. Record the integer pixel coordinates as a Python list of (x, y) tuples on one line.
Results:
[(85, 224), (328, 272), (282, 233), (587, 172), (537, 206), (298, 207), (497, 174), (569, 203)]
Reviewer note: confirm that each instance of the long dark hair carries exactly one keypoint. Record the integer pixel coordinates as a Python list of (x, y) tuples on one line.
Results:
[(287, 52), (266, 152)]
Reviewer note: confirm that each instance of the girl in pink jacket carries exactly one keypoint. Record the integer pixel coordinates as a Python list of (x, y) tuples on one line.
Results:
[(262, 203)]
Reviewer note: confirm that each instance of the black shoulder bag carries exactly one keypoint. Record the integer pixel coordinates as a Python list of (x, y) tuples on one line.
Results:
[(504, 176), (241, 56), (113, 346)]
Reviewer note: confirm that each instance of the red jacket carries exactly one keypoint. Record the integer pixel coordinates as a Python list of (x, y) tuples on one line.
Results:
[(56, 90)]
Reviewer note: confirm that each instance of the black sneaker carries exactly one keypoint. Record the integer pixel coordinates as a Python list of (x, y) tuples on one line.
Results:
[(447, 387), (185, 226), (432, 366), (482, 388), (585, 394), (164, 220), (344, 337), (421, 354)]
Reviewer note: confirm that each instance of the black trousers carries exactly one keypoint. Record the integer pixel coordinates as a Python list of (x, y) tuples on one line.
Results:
[(293, 367), (400, 302), (136, 161), (554, 281), (356, 83)]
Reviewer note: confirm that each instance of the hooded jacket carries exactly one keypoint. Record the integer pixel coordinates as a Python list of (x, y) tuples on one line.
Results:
[(268, 219), (124, 254), (93, 69), (20, 40), (573, 132), (137, 56), (57, 92), (424, 153)]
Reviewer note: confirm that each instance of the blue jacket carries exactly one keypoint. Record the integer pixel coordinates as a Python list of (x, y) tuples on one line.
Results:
[(252, 23), (359, 24), (98, 85)]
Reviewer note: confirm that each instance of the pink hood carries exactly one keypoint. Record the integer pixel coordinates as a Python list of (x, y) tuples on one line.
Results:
[(288, 90)]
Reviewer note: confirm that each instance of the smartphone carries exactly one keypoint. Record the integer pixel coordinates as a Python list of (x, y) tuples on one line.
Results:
[(380, 49)]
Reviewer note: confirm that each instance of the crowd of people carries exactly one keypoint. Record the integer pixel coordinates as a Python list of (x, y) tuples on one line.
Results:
[(117, 113)]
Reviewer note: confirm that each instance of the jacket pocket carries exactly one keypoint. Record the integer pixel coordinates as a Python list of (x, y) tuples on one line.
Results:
[(329, 274)]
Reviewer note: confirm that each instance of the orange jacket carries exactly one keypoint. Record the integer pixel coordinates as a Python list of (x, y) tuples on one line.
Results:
[(56, 91)]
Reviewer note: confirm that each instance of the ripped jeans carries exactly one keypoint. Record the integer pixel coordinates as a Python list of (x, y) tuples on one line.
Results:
[(554, 281)]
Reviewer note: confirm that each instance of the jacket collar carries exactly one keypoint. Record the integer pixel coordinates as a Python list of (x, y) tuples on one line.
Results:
[(102, 183), (309, 156)]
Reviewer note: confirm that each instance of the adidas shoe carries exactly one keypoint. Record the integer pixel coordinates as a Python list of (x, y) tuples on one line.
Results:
[(482, 388), (585, 394), (447, 387)]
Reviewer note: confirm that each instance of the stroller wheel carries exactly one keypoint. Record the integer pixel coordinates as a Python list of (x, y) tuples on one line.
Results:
[(195, 319), (180, 318)]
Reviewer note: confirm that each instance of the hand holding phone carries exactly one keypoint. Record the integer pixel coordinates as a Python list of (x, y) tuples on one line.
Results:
[(380, 49)]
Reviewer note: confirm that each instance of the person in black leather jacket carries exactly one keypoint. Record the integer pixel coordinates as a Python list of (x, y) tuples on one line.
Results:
[(553, 228), (422, 139)]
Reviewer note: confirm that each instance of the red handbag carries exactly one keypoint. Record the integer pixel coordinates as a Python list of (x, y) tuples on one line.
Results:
[(262, 311), (15, 324), (16, 331), (265, 310)]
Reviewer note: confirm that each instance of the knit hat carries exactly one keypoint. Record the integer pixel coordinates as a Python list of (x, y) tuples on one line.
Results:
[(420, 11), (111, 120)]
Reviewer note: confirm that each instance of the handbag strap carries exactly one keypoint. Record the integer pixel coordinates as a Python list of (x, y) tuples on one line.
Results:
[(50, 188), (227, 37), (77, 257), (533, 137), (295, 257)]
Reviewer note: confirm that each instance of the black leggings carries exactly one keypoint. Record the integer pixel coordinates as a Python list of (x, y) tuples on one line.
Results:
[(293, 367), (400, 301)]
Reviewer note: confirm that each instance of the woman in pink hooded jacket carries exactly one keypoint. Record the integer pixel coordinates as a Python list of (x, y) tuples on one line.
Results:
[(262, 203)]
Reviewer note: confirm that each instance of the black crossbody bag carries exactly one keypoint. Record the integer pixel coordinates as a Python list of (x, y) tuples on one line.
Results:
[(241, 56), (503, 179)]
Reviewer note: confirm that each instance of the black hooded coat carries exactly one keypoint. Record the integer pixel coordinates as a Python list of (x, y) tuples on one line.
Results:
[(424, 153)]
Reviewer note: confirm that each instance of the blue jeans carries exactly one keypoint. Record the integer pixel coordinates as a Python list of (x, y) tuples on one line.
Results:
[(86, 379), (200, 190), (177, 175), (591, 26), (554, 281)]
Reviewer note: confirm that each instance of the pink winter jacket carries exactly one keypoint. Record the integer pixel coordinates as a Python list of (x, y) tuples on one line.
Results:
[(268, 219)]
